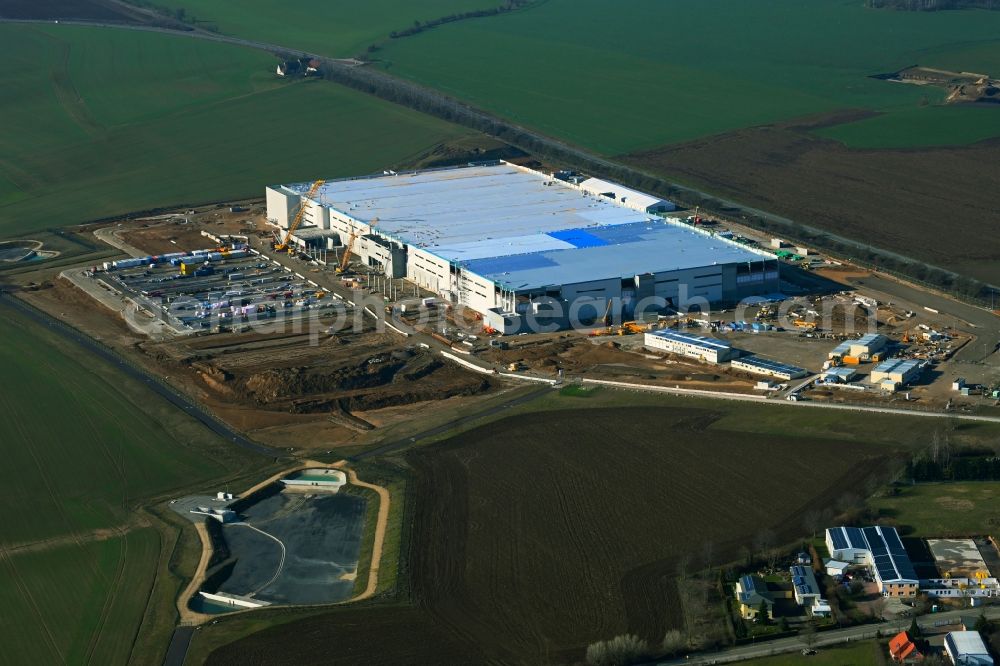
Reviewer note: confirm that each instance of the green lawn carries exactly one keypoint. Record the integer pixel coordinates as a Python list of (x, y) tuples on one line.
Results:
[(338, 28), (943, 509), (647, 73), (859, 654), (102, 121)]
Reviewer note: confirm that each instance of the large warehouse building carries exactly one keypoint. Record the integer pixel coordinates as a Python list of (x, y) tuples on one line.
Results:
[(500, 239)]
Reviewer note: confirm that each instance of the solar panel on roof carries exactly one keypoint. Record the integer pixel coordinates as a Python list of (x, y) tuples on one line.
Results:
[(838, 538), (855, 537)]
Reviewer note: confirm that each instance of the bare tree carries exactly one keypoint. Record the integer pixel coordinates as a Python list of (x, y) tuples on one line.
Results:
[(808, 634), (763, 542), (812, 520)]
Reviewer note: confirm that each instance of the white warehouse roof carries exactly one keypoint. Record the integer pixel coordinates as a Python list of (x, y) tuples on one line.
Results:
[(521, 228)]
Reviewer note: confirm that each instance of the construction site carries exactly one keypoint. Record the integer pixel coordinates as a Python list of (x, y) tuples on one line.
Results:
[(318, 348)]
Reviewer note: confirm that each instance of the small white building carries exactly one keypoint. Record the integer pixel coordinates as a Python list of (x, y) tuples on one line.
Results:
[(896, 371), (836, 567), (807, 592), (966, 648), (863, 348), (759, 365), (624, 196), (839, 374), (700, 347)]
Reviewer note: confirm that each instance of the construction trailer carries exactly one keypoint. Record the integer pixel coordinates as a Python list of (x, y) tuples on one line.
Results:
[(764, 366), (709, 350)]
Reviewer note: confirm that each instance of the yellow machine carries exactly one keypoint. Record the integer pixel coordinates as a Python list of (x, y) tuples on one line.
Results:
[(349, 246), (282, 245)]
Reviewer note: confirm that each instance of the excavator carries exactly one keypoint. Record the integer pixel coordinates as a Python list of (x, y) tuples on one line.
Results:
[(282, 245)]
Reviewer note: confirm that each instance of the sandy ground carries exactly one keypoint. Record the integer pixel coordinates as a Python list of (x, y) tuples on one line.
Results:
[(188, 616)]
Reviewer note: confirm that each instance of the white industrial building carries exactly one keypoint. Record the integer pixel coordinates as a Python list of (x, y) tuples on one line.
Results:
[(896, 372), (966, 648), (765, 366), (705, 349), (520, 247), (627, 197), (863, 348), (879, 549)]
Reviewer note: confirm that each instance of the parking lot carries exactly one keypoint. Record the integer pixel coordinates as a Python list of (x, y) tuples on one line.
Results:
[(212, 293)]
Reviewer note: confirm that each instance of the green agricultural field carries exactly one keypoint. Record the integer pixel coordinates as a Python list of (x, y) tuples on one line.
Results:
[(102, 121), (78, 602), (919, 127), (647, 73), (942, 509), (83, 448), (337, 28), (80, 453)]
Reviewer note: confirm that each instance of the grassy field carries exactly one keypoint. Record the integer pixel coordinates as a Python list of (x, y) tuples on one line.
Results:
[(79, 453), (337, 28), (653, 73), (80, 602), (859, 654), (83, 448), (943, 509), (102, 121), (527, 552)]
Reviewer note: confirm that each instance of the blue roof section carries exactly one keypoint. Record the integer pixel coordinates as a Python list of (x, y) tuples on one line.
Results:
[(578, 238)]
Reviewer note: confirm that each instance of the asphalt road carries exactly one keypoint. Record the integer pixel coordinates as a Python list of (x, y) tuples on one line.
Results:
[(984, 324), (827, 638), (155, 384), (179, 644)]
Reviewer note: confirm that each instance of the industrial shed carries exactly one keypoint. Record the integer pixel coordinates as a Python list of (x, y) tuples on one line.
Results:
[(627, 197), (522, 247), (759, 365), (705, 349), (896, 372), (880, 549), (863, 348)]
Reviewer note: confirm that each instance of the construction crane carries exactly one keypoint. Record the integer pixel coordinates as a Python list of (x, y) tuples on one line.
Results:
[(349, 246), (282, 245)]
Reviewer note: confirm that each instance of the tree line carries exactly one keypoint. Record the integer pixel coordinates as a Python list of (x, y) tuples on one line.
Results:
[(420, 26)]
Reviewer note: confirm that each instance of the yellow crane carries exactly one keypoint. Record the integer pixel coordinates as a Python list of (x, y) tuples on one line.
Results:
[(349, 245), (282, 245)]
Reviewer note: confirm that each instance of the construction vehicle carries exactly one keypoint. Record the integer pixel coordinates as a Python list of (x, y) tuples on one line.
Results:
[(282, 245), (631, 327), (805, 325)]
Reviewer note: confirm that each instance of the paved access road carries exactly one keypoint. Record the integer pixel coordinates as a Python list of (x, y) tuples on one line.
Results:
[(826, 638)]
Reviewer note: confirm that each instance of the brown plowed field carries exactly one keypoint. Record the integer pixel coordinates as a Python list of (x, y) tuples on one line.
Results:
[(537, 535), (936, 205)]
